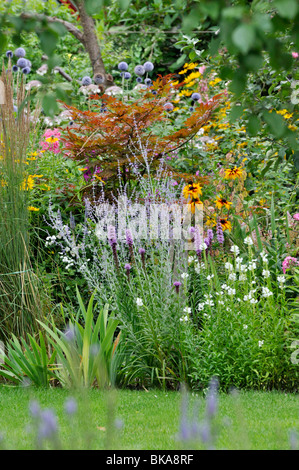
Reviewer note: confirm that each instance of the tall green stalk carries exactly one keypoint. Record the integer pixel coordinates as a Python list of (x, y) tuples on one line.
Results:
[(19, 295)]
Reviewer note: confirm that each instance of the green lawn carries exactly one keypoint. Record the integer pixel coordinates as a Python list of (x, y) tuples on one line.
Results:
[(250, 420)]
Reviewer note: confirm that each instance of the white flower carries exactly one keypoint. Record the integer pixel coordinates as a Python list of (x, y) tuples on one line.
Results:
[(281, 280), (198, 267), (261, 343), (264, 256), (139, 302), (184, 275), (203, 246), (187, 310), (248, 241), (224, 286), (232, 277), (251, 265), (220, 302), (185, 318), (235, 249), (266, 273), (266, 292), (242, 277), (206, 315), (229, 266), (243, 268), (231, 291), (201, 306), (253, 301), (190, 259), (210, 277), (245, 327), (210, 303)]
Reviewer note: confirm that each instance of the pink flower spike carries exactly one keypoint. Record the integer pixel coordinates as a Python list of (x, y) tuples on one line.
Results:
[(296, 216)]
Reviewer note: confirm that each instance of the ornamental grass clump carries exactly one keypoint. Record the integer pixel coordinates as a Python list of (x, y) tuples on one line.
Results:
[(20, 302)]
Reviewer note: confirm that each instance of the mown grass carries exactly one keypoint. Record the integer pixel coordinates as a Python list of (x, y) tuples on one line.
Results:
[(248, 420)]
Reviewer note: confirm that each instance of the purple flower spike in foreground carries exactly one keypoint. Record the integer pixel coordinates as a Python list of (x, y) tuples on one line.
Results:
[(48, 426), (219, 233), (142, 254), (177, 285), (70, 406), (128, 269), (212, 399), (113, 243)]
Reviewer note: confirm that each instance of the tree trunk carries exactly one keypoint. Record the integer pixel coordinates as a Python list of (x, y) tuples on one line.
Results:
[(91, 44)]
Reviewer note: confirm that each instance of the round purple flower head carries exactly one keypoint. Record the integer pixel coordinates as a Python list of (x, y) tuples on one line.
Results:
[(154, 92), (139, 70), (127, 76), (127, 266), (138, 79), (48, 426), (26, 70), (86, 81), (195, 96), (9, 54), (148, 81), (123, 66), (168, 106), (99, 78), (20, 52), (148, 66), (191, 109), (22, 63), (15, 68)]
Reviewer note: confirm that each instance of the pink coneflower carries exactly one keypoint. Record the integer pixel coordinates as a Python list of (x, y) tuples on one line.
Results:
[(288, 262)]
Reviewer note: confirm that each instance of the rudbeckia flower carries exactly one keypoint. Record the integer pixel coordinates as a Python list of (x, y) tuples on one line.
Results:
[(233, 173), (193, 190), (222, 202)]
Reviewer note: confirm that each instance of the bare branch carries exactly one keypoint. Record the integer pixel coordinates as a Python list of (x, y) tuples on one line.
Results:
[(53, 19)]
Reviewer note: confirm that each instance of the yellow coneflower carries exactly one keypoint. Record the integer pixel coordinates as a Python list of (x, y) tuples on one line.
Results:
[(192, 190), (28, 183), (195, 203), (225, 224), (33, 209), (211, 221), (222, 202), (232, 174), (51, 140)]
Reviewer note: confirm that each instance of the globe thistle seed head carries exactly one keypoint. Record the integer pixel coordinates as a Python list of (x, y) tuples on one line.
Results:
[(127, 75), (123, 66), (86, 81), (22, 63), (139, 70), (29, 63), (148, 66), (15, 68), (168, 106), (9, 54), (191, 109), (139, 79), (154, 92), (26, 70), (195, 96), (20, 52), (99, 78), (148, 81)]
